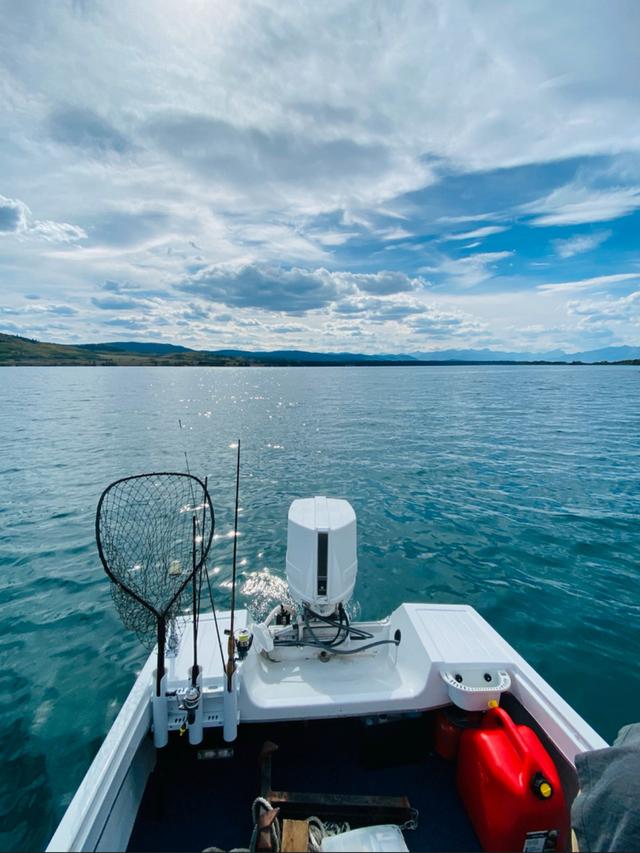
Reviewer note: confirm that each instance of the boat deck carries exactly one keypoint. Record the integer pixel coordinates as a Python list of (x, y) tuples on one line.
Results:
[(191, 802)]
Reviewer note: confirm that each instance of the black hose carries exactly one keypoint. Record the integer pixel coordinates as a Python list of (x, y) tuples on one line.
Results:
[(338, 651)]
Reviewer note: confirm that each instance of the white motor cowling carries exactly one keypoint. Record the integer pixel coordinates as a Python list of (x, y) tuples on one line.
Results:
[(322, 560)]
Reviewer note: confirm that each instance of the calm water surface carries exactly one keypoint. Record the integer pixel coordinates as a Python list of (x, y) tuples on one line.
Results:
[(514, 489)]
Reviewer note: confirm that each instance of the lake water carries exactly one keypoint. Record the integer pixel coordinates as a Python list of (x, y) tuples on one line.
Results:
[(514, 489)]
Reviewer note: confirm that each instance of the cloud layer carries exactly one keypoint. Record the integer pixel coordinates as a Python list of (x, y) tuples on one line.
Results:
[(409, 175)]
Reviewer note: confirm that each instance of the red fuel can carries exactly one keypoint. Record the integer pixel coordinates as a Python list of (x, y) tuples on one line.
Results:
[(449, 723), (446, 736), (509, 784)]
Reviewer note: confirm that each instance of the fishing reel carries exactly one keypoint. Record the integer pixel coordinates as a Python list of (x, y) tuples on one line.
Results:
[(188, 700), (244, 641)]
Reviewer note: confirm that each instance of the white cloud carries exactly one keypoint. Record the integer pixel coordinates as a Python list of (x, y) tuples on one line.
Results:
[(241, 148), (57, 232), (393, 234), (577, 205), (476, 217), (470, 270), (610, 310), (13, 215), (585, 283), (16, 219), (477, 233), (436, 324), (579, 243), (292, 291)]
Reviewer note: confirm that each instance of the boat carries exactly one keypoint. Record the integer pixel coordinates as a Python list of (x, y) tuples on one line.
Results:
[(425, 730)]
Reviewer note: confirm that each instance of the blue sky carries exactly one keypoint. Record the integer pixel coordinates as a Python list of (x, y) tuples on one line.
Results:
[(374, 177)]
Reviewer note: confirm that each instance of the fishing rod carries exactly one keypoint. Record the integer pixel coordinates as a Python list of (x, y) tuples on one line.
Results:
[(206, 572), (231, 646), (195, 598), (195, 670)]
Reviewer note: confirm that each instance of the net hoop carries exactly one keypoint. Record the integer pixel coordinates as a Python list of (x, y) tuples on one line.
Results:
[(198, 562)]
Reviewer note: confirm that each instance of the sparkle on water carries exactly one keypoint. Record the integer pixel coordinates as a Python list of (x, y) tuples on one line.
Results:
[(512, 489)]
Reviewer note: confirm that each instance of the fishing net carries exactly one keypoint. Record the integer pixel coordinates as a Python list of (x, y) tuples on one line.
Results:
[(151, 548)]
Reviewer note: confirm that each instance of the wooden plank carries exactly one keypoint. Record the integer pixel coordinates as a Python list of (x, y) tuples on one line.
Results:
[(355, 808), (295, 836), (268, 748)]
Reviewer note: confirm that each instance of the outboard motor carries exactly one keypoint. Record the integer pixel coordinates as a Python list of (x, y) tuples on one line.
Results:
[(322, 561), (322, 565)]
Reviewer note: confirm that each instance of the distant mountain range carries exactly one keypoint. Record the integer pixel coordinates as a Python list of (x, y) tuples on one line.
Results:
[(622, 353), (25, 351)]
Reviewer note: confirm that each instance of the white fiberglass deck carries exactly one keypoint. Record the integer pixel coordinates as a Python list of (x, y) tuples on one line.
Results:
[(386, 680)]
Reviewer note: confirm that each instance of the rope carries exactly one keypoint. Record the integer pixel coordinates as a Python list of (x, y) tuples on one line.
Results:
[(274, 829), (318, 831)]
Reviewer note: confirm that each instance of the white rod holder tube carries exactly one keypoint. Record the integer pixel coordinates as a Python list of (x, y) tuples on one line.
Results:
[(196, 727), (230, 711), (160, 712)]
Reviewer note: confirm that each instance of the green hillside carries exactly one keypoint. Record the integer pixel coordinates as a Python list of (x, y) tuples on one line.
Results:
[(15, 350)]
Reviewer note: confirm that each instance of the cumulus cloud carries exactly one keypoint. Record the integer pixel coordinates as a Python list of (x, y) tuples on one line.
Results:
[(381, 283), (266, 158), (115, 303), (596, 310), (116, 286), (196, 313), (16, 218), (261, 286), (288, 329), (379, 310), (434, 322), (39, 309), (62, 310), (293, 290), (57, 232), (13, 215), (130, 323)]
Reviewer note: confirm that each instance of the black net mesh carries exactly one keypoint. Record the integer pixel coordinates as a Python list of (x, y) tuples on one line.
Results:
[(144, 530)]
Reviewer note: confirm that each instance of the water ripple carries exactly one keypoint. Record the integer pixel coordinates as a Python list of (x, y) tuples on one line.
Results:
[(515, 490)]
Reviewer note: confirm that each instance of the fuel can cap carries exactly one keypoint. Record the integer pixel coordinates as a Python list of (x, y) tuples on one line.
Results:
[(541, 787)]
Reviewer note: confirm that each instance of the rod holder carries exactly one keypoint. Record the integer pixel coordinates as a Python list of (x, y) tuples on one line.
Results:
[(230, 711), (196, 727), (160, 714)]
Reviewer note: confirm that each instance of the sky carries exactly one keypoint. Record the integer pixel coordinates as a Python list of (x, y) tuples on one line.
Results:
[(379, 177)]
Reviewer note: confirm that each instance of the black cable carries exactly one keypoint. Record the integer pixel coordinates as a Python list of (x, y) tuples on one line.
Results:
[(334, 640), (329, 646), (357, 633), (344, 625), (338, 651)]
